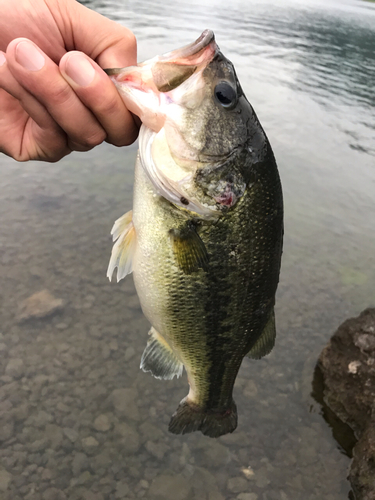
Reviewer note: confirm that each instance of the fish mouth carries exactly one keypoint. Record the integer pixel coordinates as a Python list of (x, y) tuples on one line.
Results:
[(192, 53), (166, 72)]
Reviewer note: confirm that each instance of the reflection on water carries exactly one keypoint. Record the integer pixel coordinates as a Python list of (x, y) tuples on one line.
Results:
[(78, 419)]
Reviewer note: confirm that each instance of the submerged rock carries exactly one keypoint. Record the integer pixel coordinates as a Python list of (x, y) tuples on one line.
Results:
[(347, 366), (39, 305)]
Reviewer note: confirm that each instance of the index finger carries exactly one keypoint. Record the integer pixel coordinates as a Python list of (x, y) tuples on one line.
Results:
[(105, 41)]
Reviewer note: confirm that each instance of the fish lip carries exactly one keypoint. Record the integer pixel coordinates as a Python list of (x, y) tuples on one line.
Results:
[(202, 50), (188, 53)]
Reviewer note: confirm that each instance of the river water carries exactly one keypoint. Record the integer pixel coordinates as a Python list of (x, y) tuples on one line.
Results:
[(78, 419)]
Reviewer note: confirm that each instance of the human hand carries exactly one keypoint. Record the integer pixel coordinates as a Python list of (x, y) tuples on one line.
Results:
[(53, 101)]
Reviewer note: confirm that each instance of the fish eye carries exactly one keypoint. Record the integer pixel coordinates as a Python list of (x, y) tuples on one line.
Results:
[(225, 94)]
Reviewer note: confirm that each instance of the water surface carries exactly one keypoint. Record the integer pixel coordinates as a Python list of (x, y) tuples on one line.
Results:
[(308, 68)]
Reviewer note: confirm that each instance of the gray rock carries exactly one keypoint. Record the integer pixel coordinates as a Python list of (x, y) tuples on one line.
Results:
[(54, 435), (5, 479), (250, 389), (40, 305), (123, 401), (15, 368), (205, 485), (89, 444), (214, 453), (41, 419), (168, 487), (71, 434), (130, 438), (247, 496), (150, 432), (122, 489), (102, 423), (53, 494), (83, 478), (46, 475), (158, 450), (6, 430), (347, 368), (38, 445), (237, 484), (80, 463), (89, 495), (129, 353)]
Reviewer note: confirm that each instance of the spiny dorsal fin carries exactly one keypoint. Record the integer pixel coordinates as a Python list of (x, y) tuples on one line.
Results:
[(189, 249), (159, 359), (266, 341), (123, 250)]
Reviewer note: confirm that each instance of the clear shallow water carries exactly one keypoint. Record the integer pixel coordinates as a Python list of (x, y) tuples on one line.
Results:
[(308, 68)]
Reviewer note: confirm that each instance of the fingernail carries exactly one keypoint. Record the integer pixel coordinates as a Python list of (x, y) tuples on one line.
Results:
[(28, 56), (2, 58), (79, 70)]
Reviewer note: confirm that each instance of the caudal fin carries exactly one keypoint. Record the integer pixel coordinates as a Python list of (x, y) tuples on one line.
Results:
[(189, 418)]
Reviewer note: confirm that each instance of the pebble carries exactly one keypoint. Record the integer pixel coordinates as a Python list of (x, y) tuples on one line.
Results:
[(261, 477), (158, 450), (237, 484), (71, 434), (102, 423), (54, 435), (80, 463), (168, 487), (130, 441), (15, 368), (124, 403), (5, 479), (53, 494), (247, 496), (89, 444), (39, 305), (6, 431), (129, 353), (89, 495), (214, 453), (122, 489)]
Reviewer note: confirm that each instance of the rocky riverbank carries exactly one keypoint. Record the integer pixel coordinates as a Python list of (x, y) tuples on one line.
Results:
[(347, 365)]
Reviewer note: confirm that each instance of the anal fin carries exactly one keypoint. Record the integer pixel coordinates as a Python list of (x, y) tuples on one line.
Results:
[(266, 341), (159, 359), (123, 250)]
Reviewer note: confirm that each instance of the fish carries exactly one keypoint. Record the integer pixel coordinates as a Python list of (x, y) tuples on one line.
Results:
[(204, 237)]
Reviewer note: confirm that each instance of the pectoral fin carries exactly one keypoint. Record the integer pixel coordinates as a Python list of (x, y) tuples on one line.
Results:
[(266, 341), (123, 250), (189, 250), (159, 359)]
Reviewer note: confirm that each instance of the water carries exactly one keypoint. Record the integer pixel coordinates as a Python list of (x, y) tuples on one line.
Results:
[(308, 68)]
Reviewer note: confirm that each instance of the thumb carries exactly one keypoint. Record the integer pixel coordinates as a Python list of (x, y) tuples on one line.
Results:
[(107, 42)]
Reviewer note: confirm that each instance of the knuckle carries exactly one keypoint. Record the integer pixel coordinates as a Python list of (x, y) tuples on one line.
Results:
[(132, 41), (93, 139), (61, 93), (111, 106), (126, 139)]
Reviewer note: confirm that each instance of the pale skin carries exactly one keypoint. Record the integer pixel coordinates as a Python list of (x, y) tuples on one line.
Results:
[(54, 96)]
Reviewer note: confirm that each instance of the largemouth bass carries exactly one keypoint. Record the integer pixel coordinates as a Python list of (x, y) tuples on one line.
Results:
[(204, 238)]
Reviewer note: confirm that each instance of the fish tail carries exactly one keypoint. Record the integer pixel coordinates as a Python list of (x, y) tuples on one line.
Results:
[(189, 417)]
